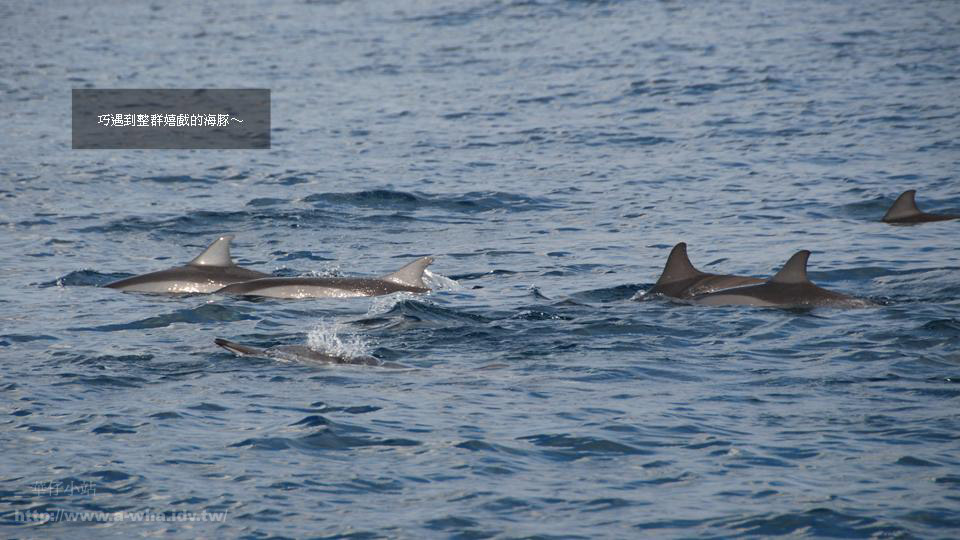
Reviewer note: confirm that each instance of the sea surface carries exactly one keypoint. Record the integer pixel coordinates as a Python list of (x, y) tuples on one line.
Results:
[(549, 154)]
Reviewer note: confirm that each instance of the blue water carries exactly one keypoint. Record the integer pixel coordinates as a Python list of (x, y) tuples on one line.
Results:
[(549, 154)]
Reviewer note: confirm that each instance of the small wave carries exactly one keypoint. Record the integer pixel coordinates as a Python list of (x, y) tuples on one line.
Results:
[(114, 428), (938, 327), (208, 407), (101, 381), (83, 278), (475, 201), (104, 360), (266, 201), (183, 179), (325, 438), (383, 305), (566, 447), (294, 255), (211, 223), (818, 522), (539, 313), (416, 309), (480, 275), (24, 338), (203, 314), (611, 294)]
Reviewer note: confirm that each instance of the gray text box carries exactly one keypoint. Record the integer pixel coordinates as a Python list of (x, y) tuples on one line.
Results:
[(171, 119)]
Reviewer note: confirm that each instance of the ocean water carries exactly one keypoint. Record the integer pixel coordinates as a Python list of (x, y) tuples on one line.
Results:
[(548, 154)]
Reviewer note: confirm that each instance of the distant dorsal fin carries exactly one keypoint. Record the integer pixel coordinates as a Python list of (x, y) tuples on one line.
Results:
[(795, 271), (904, 206), (411, 275), (678, 267), (217, 254)]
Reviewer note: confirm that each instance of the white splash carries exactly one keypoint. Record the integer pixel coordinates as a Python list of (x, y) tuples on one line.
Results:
[(640, 296), (336, 339), (438, 282), (332, 271)]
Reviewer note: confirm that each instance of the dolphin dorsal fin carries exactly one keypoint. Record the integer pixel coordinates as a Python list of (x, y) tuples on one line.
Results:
[(904, 206), (216, 254), (795, 271), (411, 275), (678, 267)]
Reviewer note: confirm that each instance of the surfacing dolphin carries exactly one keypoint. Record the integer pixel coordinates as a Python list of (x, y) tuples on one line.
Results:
[(300, 353), (210, 271), (407, 279), (790, 288), (905, 210), (681, 280)]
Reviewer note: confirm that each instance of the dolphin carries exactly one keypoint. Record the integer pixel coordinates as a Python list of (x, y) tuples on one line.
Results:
[(408, 279), (210, 271), (790, 288), (300, 353), (904, 210), (681, 280)]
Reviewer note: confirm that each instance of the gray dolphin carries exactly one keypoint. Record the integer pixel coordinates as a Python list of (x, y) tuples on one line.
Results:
[(681, 280), (210, 271), (299, 353), (408, 279), (904, 210), (790, 288)]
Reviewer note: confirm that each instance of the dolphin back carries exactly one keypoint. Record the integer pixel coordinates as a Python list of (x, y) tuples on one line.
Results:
[(300, 353), (905, 211), (206, 273), (680, 279), (790, 288)]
